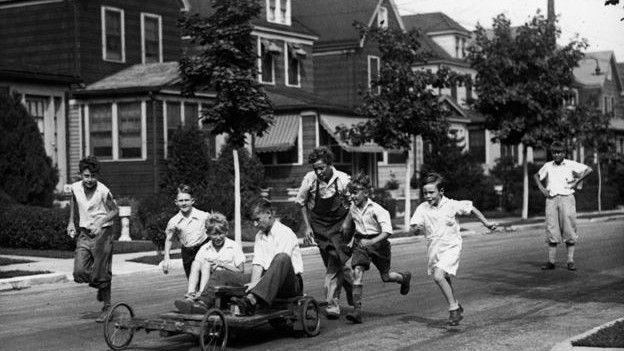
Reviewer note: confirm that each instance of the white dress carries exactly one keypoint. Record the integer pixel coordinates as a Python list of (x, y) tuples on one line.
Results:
[(444, 242)]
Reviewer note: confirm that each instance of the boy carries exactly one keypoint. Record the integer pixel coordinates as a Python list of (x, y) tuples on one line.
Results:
[(370, 242), (220, 262), (562, 177), (94, 246), (436, 217), (188, 225), (277, 262)]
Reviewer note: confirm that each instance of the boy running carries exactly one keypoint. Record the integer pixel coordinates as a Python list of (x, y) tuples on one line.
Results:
[(94, 247), (436, 217), (370, 242)]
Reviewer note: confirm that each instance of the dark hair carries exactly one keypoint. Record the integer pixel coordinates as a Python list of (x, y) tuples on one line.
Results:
[(360, 180), (184, 189), (321, 153), (91, 163), (557, 145), (216, 222), (434, 178), (262, 205)]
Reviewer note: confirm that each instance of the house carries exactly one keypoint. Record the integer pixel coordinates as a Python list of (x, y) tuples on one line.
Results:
[(54, 49)]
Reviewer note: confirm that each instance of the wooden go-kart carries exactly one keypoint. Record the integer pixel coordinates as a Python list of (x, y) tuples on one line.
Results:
[(300, 314)]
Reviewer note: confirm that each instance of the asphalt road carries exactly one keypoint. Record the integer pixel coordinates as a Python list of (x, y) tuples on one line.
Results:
[(510, 304)]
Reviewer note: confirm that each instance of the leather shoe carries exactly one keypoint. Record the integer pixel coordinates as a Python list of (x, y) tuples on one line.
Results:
[(245, 306), (405, 283), (548, 266), (571, 266), (455, 316)]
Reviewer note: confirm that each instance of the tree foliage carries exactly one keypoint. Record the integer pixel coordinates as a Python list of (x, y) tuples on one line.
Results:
[(522, 79), (226, 63), (26, 172), (403, 101)]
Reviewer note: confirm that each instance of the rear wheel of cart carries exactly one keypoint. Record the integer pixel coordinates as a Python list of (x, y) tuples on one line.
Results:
[(213, 334), (310, 317), (118, 328)]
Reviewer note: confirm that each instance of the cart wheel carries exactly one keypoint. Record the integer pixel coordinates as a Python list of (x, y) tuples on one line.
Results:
[(118, 329), (310, 317), (280, 324), (213, 333)]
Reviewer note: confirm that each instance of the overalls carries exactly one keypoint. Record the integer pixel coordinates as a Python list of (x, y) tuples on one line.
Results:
[(326, 218)]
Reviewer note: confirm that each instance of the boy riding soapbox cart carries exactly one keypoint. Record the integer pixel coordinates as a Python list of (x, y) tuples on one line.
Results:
[(300, 314)]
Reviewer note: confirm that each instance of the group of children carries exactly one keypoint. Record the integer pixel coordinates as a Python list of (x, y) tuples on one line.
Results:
[(211, 259)]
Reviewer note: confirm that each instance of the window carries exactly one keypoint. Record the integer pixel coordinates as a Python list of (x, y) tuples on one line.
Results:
[(101, 131), (293, 65), (268, 51), (612, 106), (463, 47), (605, 106), (476, 144), (278, 11), (191, 113), (116, 131), (571, 98), (396, 157), (341, 157), (373, 73), (454, 92), (36, 106), (151, 38), (468, 90), (382, 17), (287, 157), (510, 151), (113, 42), (456, 46)]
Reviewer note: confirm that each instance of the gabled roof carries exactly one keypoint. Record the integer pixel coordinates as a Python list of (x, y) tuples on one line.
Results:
[(434, 22), (14, 70), (593, 69)]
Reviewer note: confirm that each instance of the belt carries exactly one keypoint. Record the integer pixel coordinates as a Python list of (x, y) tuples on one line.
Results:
[(360, 236)]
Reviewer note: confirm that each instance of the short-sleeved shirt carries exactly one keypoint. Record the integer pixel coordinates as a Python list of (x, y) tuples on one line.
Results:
[(558, 176), (280, 239), (307, 190), (90, 209), (439, 221), (371, 220), (230, 253), (191, 229)]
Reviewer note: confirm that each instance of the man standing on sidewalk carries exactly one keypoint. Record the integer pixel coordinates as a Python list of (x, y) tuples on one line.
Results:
[(562, 178), (324, 206)]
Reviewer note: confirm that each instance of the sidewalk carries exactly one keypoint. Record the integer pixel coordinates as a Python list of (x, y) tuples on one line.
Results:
[(62, 268)]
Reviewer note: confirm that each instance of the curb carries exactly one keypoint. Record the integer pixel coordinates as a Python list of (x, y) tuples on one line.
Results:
[(23, 282), (566, 345)]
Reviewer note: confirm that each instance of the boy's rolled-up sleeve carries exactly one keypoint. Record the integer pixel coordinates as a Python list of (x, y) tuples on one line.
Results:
[(543, 172), (304, 189), (259, 256), (384, 220), (417, 218), (463, 207), (239, 255)]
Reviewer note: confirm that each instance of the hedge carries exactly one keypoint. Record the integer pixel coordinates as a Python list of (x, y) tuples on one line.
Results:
[(31, 227)]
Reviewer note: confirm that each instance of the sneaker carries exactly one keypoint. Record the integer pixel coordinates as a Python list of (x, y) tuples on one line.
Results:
[(355, 317), (455, 316), (405, 283), (103, 314), (571, 266), (332, 310), (548, 266), (245, 306)]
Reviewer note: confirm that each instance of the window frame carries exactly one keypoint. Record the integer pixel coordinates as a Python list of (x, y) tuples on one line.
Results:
[(145, 15), (370, 76), (287, 20), (103, 11), (182, 119), (287, 57), (115, 130), (260, 60)]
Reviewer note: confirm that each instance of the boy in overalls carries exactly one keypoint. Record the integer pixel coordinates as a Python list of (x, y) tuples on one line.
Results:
[(324, 206)]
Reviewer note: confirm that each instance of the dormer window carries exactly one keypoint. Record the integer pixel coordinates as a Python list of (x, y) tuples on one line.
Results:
[(266, 63), (278, 11), (382, 17), (293, 64)]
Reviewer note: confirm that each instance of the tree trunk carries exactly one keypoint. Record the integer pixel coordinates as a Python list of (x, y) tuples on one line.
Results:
[(408, 195), (525, 183), (237, 199), (596, 156)]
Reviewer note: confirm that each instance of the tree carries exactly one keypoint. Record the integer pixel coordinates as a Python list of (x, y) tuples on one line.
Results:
[(226, 64), (28, 175), (402, 102), (522, 80)]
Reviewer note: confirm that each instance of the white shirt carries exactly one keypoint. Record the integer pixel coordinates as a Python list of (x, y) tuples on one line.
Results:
[(439, 222), (230, 253), (90, 209), (307, 190), (372, 219), (559, 176), (280, 239), (191, 229)]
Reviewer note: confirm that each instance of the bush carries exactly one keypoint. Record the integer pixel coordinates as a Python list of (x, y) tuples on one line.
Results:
[(153, 214), (38, 228), (383, 198), (28, 175), (290, 214)]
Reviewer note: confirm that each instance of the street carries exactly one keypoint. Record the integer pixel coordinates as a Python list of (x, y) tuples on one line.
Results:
[(510, 304)]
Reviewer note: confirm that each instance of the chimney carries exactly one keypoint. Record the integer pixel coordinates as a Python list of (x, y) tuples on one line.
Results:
[(551, 10)]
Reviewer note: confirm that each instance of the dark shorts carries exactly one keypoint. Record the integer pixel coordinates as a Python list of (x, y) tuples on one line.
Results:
[(379, 254)]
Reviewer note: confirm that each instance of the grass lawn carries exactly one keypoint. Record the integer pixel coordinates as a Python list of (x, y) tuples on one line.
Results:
[(611, 336), (18, 273), (5, 261)]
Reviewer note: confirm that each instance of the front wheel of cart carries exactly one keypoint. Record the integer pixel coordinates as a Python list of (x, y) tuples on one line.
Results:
[(213, 334), (118, 329), (310, 317)]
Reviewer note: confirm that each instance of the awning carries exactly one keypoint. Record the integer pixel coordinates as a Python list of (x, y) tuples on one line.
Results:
[(271, 47), (297, 50), (281, 136), (331, 122)]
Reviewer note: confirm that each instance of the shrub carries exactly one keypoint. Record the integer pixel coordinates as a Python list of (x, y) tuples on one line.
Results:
[(383, 198), (32, 227), (28, 175), (153, 214), (290, 214)]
